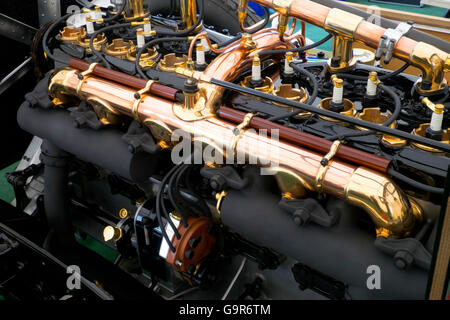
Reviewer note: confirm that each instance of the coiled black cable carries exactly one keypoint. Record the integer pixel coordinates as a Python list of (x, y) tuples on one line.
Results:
[(47, 51), (414, 183), (152, 43), (102, 30), (381, 78), (387, 123), (158, 209), (312, 79), (191, 29)]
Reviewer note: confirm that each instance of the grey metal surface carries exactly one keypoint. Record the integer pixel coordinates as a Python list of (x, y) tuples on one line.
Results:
[(16, 30), (49, 10), (15, 75)]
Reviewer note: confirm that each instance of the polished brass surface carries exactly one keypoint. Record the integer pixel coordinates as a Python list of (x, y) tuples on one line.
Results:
[(148, 58), (290, 183), (98, 43), (123, 213), (266, 87), (188, 12), (374, 115), (437, 108), (349, 109), (288, 92), (137, 12), (72, 35), (238, 131), (389, 208), (325, 164), (421, 131), (118, 48), (343, 23), (219, 197), (170, 62), (138, 96), (105, 113), (433, 62), (112, 233)]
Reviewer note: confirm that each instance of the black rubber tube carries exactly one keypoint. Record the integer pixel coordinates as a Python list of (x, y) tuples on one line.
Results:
[(56, 203), (386, 23), (343, 252), (104, 148)]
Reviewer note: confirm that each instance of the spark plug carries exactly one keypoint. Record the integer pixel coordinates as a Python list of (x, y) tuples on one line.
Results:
[(256, 80), (337, 102), (370, 97), (434, 131), (287, 72), (200, 63)]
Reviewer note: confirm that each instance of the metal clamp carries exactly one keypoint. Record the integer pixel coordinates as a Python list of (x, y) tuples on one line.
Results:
[(239, 130), (84, 75), (325, 164), (389, 39), (138, 96)]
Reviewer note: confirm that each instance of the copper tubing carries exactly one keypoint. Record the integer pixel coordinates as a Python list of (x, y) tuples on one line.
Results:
[(307, 140), (203, 35), (258, 24), (138, 83), (388, 207), (367, 33)]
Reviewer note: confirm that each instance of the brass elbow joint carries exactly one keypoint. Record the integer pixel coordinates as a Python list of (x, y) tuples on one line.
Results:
[(434, 63), (389, 208), (283, 7), (242, 10)]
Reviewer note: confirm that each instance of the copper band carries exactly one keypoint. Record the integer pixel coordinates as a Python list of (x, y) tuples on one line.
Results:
[(138, 98), (84, 75), (237, 131), (325, 164)]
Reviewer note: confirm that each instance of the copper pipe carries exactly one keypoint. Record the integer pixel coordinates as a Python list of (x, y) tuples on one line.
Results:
[(388, 207), (258, 24), (203, 35), (366, 32), (119, 77), (307, 140)]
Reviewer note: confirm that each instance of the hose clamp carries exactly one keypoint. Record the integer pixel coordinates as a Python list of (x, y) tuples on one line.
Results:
[(239, 130), (325, 164), (138, 96), (389, 39), (84, 75)]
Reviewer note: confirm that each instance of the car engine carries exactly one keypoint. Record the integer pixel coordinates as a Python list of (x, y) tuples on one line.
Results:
[(219, 155)]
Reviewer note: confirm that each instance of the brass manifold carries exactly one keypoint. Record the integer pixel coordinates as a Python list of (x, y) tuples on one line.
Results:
[(347, 28), (299, 169)]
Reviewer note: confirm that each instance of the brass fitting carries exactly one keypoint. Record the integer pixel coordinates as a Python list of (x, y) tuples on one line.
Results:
[(284, 8), (136, 10), (118, 48), (112, 233), (242, 10), (188, 12), (343, 25), (434, 63)]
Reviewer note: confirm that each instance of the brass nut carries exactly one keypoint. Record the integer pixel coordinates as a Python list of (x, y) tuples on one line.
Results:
[(123, 213)]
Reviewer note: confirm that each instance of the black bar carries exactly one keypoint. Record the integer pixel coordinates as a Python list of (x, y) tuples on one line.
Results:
[(333, 115)]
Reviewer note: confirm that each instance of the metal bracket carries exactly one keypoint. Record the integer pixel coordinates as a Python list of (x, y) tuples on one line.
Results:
[(325, 163), (83, 76), (239, 130), (138, 96), (389, 39)]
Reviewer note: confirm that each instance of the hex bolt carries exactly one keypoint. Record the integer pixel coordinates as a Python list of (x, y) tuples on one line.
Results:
[(403, 259)]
